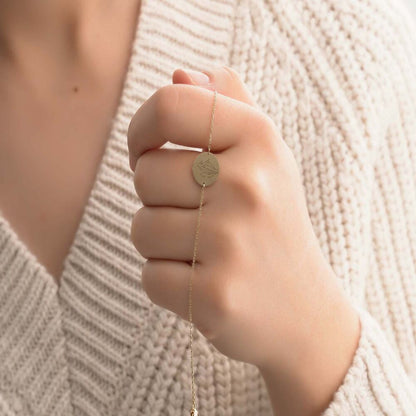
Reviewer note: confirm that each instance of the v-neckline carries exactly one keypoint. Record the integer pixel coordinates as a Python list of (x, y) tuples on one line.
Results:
[(149, 67), (147, 74), (99, 174), (106, 326)]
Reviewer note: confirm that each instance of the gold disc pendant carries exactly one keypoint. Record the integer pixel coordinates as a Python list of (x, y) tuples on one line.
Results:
[(194, 412), (205, 168)]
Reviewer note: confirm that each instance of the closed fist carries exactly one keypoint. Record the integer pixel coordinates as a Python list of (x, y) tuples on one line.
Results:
[(262, 289)]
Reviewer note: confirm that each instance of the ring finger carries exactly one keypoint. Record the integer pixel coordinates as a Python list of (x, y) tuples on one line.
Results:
[(168, 233)]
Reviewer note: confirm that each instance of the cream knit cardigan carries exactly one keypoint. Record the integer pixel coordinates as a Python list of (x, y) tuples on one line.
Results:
[(338, 77)]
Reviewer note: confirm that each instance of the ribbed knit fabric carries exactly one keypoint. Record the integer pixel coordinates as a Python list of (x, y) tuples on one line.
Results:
[(339, 80)]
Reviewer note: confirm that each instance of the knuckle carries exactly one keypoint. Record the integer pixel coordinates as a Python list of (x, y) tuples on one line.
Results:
[(130, 132), (221, 300), (147, 281), (137, 179), (232, 73), (224, 239), (166, 102), (221, 306), (138, 238), (249, 186), (141, 177), (265, 131), (260, 130)]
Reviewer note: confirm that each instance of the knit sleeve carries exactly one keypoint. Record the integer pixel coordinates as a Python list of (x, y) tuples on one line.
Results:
[(341, 87), (382, 377), (376, 383), (6, 409), (12, 397)]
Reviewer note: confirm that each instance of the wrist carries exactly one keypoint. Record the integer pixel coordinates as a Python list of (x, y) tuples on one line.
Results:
[(304, 382)]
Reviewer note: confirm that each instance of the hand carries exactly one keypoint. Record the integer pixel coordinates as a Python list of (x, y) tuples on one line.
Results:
[(263, 292)]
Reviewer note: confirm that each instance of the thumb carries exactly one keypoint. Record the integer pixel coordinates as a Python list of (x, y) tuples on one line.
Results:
[(224, 79)]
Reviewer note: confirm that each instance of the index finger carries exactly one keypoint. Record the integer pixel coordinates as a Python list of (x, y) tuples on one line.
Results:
[(181, 114)]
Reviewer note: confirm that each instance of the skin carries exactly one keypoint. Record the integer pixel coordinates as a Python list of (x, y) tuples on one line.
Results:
[(263, 291), (58, 94), (249, 288)]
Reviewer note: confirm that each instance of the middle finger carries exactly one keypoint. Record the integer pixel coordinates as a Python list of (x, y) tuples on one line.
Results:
[(163, 177)]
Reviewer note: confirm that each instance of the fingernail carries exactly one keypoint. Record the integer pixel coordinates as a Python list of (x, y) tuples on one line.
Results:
[(198, 77)]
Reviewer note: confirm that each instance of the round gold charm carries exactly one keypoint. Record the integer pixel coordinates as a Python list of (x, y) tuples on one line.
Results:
[(194, 412), (205, 168)]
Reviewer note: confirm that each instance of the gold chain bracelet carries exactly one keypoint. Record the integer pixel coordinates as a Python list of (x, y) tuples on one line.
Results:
[(205, 169)]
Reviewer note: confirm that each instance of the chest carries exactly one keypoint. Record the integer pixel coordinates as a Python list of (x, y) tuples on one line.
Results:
[(49, 155), (55, 122)]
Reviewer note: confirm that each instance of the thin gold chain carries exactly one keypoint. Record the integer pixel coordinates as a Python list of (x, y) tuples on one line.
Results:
[(191, 325)]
